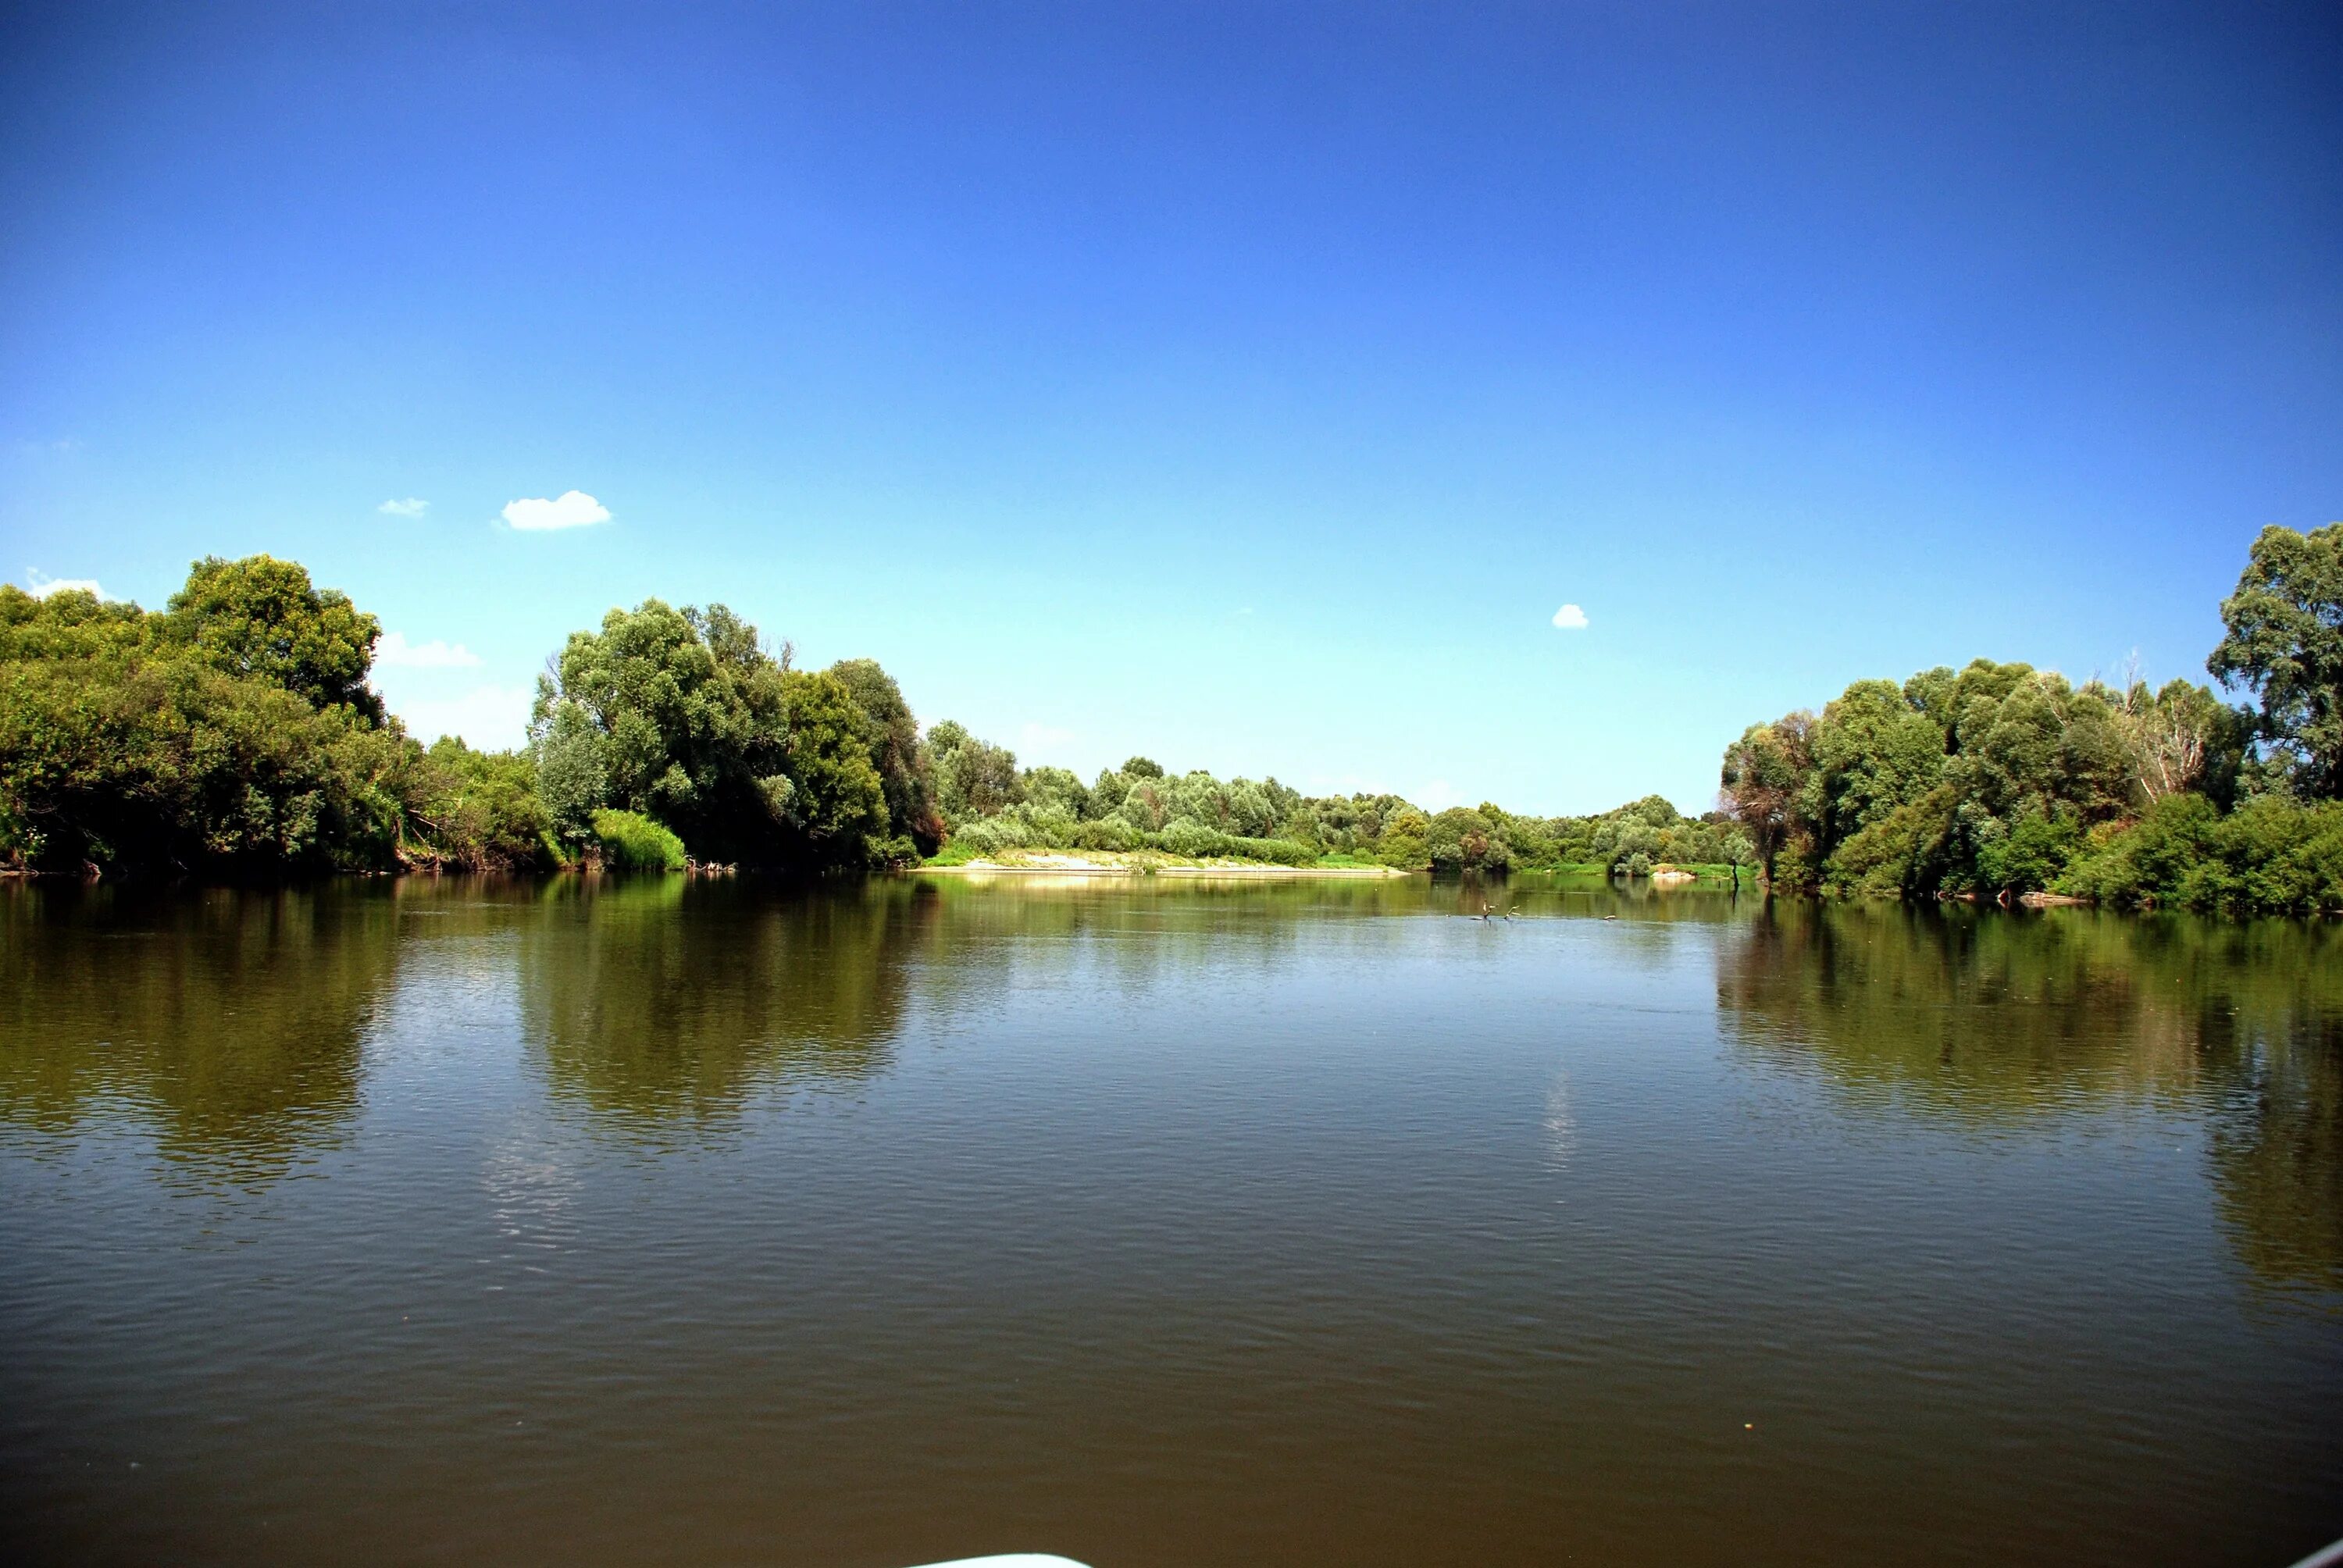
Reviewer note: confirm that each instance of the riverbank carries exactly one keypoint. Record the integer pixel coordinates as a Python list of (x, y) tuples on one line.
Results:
[(1134, 863)]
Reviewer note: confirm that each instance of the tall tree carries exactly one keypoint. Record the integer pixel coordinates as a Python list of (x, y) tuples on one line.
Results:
[(894, 743), (689, 726), (260, 616), (2285, 644), (1761, 778), (837, 805)]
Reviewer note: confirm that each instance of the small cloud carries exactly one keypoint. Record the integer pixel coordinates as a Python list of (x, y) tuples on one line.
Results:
[(40, 584), (570, 509), (394, 650), (1043, 738), (1569, 618), (409, 507)]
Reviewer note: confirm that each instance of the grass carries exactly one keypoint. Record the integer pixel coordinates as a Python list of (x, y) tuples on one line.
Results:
[(634, 843)]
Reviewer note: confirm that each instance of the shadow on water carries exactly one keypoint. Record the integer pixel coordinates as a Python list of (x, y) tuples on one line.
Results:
[(229, 1024), (1991, 1019)]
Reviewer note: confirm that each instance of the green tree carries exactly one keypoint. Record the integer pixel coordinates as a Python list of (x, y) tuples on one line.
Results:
[(1404, 842), (974, 777), (895, 752), (124, 745), (838, 806), (1763, 778), (480, 811), (2285, 644), (1462, 839), (693, 731), (571, 778), (261, 618)]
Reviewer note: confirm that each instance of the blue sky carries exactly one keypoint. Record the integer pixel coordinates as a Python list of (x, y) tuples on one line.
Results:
[(1249, 386)]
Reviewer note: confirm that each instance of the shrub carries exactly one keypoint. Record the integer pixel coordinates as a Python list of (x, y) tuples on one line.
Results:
[(633, 842), (2273, 855), (479, 811), (1109, 833), (1191, 838), (2033, 854)]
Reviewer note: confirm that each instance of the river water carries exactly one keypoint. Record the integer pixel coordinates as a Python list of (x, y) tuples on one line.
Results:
[(1160, 1222)]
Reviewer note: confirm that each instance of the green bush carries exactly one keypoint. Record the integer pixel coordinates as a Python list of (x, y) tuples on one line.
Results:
[(633, 842), (1109, 833), (480, 811), (2273, 855)]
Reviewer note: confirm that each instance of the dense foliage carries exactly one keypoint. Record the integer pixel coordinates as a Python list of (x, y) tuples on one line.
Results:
[(233, 733), (2000, 779), (991, 806), (236, 732)]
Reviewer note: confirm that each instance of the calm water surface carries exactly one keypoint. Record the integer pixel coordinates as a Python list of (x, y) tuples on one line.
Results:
[(1160, 1223)]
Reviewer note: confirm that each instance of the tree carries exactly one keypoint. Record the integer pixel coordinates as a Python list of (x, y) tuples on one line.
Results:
[(1057, 790), (126, 746), (972, 778), (2285, 644), (1404, 840), (692, 729), (2181, 737), (894, 741), (837, 807), (260, 616), (1761, 781), (571, 778), (1462, 839), (481, 812)]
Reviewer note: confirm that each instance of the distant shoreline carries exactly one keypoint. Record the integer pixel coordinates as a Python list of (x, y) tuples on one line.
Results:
[(1070, 866)]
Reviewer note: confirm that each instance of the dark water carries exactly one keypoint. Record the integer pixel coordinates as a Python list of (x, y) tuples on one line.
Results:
[(1160, 1223)]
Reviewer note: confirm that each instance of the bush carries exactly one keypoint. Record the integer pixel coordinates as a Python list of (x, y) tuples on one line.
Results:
[(633, 842), (2033, 854), (1276, 851), (479, 811), (2273, 855), (1190, 837), (1109, 833)]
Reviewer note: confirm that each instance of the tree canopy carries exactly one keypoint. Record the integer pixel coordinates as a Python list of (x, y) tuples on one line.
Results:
[(2285, 644)]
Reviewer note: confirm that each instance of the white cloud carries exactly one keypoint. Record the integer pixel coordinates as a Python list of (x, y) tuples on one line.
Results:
[(395, 650), (409, 507), (41, 586), (1043, 738), (1569, 618), (491, 718), (570, 509)]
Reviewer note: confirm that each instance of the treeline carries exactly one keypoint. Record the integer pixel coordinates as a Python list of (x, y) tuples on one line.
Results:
[(235, 733), (990, 806), (2001, 781)]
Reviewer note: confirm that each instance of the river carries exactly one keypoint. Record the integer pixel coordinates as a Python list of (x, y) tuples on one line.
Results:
[(1161, 1223)]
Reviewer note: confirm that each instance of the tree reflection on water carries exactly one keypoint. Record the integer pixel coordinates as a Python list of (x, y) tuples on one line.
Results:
[(663, 1000), (1989, 1019), (230, 1023)]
